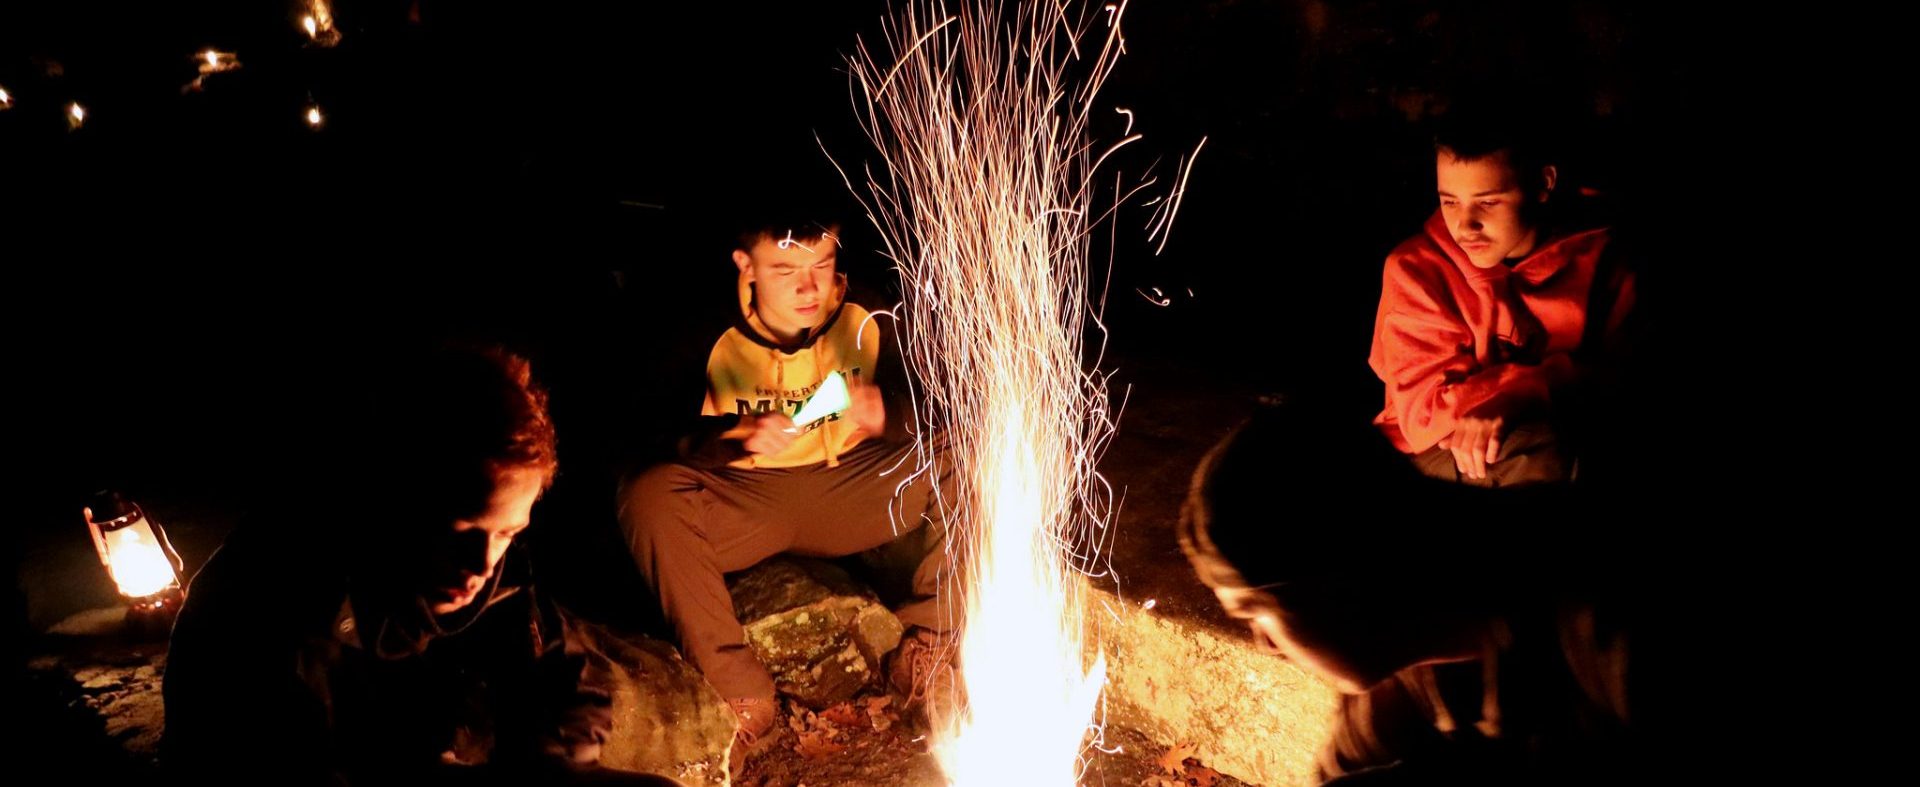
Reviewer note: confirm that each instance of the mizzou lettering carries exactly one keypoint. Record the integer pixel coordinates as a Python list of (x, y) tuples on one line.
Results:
[(788, 404)]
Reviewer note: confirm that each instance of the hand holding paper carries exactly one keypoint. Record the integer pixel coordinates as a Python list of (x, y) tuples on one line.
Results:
[(831, 399)]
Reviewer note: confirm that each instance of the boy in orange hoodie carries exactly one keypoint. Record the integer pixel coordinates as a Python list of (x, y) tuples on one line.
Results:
[(1496, 317)]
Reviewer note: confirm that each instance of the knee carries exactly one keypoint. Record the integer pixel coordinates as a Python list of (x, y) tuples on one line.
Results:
[(1532, 438), (647, 501), (1534, 453)]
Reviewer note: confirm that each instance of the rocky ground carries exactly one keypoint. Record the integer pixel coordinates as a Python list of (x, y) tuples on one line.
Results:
[(826, 637)]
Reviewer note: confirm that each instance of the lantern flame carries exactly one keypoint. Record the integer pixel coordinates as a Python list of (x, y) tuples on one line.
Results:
[(138, 565)]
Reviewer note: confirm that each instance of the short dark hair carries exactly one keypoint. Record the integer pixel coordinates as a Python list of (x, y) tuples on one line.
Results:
[(748, 235), (1472, 132), (805, 214), (1241, 524), (787, 189)]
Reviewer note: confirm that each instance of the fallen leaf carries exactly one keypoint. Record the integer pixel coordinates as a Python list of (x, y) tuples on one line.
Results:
[(1200, 775), (842, 714), (816, 744), (1174, 761)]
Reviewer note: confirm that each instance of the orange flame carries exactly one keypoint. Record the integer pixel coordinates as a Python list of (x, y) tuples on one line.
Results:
[(983, 203), (138, 565)]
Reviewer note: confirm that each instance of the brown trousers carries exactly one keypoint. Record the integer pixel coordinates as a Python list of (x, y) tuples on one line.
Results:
[(1531, 454), (687, 526)]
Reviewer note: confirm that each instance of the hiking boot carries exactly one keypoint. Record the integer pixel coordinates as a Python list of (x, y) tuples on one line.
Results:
[(755, 716), (924, 660)]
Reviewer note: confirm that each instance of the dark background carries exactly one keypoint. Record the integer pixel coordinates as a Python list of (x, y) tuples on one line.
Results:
[(191, 276)]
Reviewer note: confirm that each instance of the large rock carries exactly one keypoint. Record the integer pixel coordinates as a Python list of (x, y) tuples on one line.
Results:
[(821, 634), (666, 719), (1248, 713)]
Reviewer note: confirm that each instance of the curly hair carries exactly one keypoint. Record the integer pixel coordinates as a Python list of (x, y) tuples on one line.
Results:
[(466, 408)]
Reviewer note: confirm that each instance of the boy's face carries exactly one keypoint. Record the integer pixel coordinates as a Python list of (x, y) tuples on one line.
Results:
[(1350, 634), (466, 549), (1485, 207), (1300, 641), (793, 280)]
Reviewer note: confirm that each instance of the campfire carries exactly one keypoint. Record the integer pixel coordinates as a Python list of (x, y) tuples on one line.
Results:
[(984, 200)]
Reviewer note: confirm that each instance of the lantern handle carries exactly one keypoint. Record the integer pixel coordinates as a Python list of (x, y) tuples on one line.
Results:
[(99, 539), (179, 565)]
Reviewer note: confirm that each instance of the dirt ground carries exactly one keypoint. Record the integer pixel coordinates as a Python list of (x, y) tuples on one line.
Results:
[(871, 741)]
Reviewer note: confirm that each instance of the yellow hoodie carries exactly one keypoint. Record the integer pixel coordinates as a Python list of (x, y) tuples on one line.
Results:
[(749, 372)]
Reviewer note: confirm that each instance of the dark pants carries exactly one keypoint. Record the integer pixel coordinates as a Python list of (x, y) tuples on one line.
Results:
[(1531, 454), (687, 526)]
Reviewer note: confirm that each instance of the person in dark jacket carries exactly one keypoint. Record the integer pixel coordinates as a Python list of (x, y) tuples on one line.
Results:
[(381, 625), (1478, 636)]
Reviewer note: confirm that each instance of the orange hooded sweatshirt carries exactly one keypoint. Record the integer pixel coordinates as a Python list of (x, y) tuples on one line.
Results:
[(1450, 337)]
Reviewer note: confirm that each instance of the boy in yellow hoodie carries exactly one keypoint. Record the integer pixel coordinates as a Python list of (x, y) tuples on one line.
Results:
[(748, 483)]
